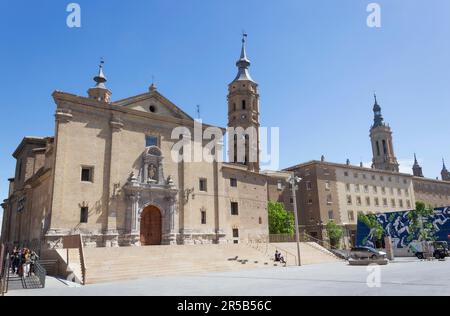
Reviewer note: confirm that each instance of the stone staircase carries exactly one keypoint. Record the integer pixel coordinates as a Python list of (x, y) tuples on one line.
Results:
[(310, 252), (125, 263)]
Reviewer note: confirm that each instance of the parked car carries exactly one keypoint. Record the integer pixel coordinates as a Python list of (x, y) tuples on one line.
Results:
[(440, 249), (366, 253)]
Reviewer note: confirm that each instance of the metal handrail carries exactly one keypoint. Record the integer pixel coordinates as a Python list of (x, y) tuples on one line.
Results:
[(5, 277), (266, 243), (321, 242), (82, 263), (40, 272)]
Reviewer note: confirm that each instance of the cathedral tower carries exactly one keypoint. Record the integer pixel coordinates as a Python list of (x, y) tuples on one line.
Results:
[(417, 169), (445, 173), (381, 137), (243, 115)]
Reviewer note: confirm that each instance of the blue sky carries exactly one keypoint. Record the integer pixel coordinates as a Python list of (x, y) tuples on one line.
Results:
[(316, 61)]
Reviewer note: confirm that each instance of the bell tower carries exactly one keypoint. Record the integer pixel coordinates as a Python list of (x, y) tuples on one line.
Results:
[(382, 148), (243, 115)]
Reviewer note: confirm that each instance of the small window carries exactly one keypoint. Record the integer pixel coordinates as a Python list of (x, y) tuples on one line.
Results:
[(327, 185), (393, 202), (377, 202), (349, 199), (357, 188), (234, 208), (84, 214), (399, 191), (351, 216), (356, 175), (346, 173), (358, 200), (152, 108), (347, 187), (243, 105), (375, 189), (373, 177), (366, 189), (385, 203), (260, 220), (329, 199), (291, 200), (309, 186), (331, 215), (279, 185), (203, 185), (368, 201), (87, 174), (310, 202), (235, 233), (233, 182), (203, 217), (151, 141)]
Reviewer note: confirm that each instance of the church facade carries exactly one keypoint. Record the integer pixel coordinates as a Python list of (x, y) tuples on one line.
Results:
[(109, 174)]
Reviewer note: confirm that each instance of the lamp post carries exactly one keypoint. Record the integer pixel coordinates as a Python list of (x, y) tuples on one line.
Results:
[(293, 180)]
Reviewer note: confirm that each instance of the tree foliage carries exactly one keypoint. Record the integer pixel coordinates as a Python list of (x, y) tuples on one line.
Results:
[(420, 226), (376, 229), (280, 220), (335, 233)]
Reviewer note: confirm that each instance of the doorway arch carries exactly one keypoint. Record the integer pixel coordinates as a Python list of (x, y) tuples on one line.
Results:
[(151, 226)]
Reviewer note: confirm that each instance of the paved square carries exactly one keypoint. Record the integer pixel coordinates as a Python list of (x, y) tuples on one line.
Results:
[(404, 277)]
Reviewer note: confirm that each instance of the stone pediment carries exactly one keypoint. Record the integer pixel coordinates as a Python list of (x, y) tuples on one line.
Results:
[(155, 103)]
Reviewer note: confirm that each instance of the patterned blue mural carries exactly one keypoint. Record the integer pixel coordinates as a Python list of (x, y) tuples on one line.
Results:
[(396, 225)]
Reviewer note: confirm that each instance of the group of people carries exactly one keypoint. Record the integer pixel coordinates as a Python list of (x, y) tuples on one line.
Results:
[(23, 261), (279, 257)]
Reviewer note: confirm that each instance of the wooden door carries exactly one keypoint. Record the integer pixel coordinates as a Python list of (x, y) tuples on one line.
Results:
[(151, 226)]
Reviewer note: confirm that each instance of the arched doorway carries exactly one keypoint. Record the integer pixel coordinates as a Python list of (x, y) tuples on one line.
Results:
[(151, 226)]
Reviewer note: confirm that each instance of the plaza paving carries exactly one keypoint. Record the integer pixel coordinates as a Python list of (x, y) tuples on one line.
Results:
[(404, 277)]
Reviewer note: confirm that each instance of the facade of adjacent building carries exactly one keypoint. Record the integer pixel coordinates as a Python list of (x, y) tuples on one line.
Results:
[(338, 192), (108, 174)]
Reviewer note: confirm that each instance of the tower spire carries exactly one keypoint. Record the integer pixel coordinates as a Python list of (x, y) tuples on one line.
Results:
[(444, 173), (100, 92), (100, 79), (243, 63), (378, 118), (417, 169)]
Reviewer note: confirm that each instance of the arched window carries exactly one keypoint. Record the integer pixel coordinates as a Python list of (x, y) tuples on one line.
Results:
[(378, 148), (384, 147), (243, 104)]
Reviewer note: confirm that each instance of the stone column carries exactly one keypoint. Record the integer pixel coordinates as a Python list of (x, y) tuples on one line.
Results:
[(63, 117), (114, 182)]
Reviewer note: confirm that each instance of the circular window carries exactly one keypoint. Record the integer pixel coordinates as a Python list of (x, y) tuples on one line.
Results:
[(152, 108)]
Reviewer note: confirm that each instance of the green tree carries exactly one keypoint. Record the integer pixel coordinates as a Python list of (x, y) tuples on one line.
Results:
[(376, 229), (335, 233), (280, 220), (419, 226)]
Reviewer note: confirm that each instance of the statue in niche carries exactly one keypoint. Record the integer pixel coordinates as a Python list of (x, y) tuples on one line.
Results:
[(152, 172)]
